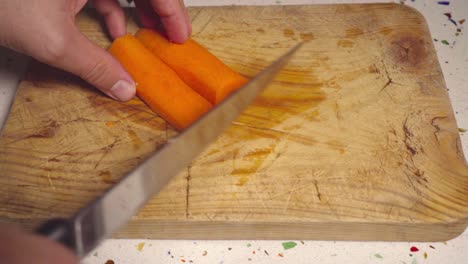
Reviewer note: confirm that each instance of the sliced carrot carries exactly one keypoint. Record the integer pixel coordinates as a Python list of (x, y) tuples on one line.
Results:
[(194, 64), (158, 85)]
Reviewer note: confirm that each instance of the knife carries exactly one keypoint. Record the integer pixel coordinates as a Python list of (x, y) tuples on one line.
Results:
[(12, 68), (105, 215)]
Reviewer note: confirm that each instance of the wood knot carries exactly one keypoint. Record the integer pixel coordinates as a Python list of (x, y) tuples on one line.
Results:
[(47, 132), (289, 33), (408, 50), (353, 32)]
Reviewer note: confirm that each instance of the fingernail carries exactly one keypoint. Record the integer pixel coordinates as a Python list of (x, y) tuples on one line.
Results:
[(122, 90)]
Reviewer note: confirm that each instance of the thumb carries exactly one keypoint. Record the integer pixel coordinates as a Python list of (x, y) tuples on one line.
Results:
[(93, 64), (18, 246)]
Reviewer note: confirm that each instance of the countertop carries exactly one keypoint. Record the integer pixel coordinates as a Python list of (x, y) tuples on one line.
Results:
[(452, 50)]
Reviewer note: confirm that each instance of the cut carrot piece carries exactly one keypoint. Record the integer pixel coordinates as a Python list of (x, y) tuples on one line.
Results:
[(158, 85), (194, 64)]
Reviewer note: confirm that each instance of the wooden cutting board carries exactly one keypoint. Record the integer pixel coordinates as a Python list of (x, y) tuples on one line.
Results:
[(355, 140)]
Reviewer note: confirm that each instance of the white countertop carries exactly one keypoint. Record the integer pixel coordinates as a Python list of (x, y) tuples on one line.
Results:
[(454, 62)]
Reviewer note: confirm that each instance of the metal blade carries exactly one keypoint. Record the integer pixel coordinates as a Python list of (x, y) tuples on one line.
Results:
[(12, 67), (115, 207)]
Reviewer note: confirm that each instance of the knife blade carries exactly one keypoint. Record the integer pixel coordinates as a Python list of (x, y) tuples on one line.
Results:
[(105, 215), (12, 68)]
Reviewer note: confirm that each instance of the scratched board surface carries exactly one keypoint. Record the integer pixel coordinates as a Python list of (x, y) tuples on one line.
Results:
[(355, 139)]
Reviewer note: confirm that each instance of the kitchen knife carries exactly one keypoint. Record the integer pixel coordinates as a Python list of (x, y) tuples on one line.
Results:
[(105, 215)]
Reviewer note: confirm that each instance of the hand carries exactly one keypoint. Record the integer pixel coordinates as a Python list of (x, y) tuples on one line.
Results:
[(45, 30), (18, 246)]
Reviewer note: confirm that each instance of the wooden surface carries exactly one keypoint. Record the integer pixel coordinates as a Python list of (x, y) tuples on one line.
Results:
[(356, 139)]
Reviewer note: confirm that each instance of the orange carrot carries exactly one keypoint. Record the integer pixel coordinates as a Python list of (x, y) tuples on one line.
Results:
[(158, 85), (194, 64)]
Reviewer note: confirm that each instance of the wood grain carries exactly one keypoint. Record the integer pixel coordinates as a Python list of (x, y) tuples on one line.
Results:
[(356, 139)]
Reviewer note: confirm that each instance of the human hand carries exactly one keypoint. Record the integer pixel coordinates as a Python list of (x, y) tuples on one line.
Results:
[(46, 30), (18, 246)]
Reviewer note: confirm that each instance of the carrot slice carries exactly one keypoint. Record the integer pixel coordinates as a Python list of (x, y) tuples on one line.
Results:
[(158, 85), (194, 64)]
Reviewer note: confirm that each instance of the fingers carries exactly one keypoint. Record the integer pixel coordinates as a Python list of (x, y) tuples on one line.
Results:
[(113, 15), (18, 246), (146, 14), (173, 16), (83, 58), (187, 18)]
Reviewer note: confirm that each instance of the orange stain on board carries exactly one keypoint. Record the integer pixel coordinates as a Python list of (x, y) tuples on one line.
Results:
[(334, 144), (106, 177), (287, 32), (307, 36), (135, 139), (250, 162), (292, 93), (313, 116), (242, 180), (281, 102), (344, 43), (240, 171), (353, 32), (258, 152), (373, 69), (109, 124), (386, 30)]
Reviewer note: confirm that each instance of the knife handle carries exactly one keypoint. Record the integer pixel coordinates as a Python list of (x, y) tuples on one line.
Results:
[(59, 230)]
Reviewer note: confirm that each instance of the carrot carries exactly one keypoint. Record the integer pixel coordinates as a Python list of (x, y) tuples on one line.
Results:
[(194, 64), (158, 85)]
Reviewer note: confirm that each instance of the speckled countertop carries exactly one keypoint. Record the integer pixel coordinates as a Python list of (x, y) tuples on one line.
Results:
[(452, 50)]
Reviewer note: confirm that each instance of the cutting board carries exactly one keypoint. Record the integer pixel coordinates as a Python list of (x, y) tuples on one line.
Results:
[(355, 139)]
